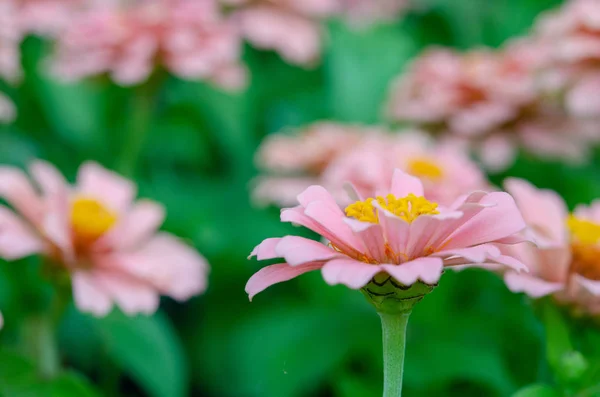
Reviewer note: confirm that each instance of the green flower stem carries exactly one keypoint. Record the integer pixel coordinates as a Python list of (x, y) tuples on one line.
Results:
[(142, 108), (394, 343), (40, 336)]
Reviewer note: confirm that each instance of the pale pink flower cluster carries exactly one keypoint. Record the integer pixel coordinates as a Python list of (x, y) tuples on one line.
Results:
[(571, 39), (331, 154), (565, 260), (94, 230), (400, 234), (190, 38), (8, 111), (491, 101), (293, 28)]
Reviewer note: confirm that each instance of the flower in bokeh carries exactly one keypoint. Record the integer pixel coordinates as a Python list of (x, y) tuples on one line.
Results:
[(108, 243), (564, 262), (296, 159), (8, 112), (331, 155), (571, 37), (490, 100), (293, 28), (11, 35), (400, 233), (49, 17), (190, 38), (445, 169)]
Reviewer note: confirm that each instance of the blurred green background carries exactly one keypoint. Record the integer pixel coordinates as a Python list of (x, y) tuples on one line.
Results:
[(471, 337)]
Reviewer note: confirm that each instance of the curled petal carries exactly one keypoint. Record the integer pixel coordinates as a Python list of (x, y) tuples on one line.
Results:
[(404, 184), (266, 249), (274, 274), (532, 286), (299, 250)]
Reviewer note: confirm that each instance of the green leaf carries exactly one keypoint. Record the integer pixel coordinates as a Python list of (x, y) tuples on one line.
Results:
[(18, 378), (537, 391), (359, 67), (148, 349), (558, 342)]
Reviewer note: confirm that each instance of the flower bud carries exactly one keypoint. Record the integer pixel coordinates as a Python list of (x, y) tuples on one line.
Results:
[(391, 297)]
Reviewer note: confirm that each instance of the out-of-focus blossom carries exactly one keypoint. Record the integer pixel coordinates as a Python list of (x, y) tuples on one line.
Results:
[(190, 38), (95, 231), (400, 234), (293, 28), (11, 35), (49, 17), (571, 36), (333, 154), (490, 100), (8, 111), (564, 262)]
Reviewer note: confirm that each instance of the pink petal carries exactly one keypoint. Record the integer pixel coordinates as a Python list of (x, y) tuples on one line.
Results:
[(428, 270), (274, 274), (165, 263), (115, 191), (49, 179), (543, 210), (372, 237), (477, 254), (17, 240), (136, 226), (266, 249), (351, 273), (131, 295), (403, 184), (396, 230), (532, 286), (592, 286), (299, 250), (333, 222), (89, 296), (490, 224), (318, 193), (16, 189), (509, 261)]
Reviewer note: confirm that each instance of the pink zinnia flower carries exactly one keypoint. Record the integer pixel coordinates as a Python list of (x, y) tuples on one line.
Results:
[(564, 262), (490, 100), (190, 38), (401, 234), (331, 155), (108, 243), (296, 159), (8, 112), (11, 35), (293, 28)]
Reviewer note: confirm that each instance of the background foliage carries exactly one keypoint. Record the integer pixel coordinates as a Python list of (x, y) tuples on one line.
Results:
[(471, 337)]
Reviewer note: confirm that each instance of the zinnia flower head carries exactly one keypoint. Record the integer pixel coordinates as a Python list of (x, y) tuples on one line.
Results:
[(190, 38), (292, 28), (399, 236), (93, 230), (331, 155), (565, 261)]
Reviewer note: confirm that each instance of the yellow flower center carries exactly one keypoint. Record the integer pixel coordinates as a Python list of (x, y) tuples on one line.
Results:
[(424, 167), (585, 236), (408, 208), (90, 219)]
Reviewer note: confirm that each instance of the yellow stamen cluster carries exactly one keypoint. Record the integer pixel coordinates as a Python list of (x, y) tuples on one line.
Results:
[(585, 236), (424, 167), (408, 208), (90, 219)]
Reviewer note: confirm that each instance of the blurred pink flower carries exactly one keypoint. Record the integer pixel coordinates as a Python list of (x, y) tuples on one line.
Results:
[(108, 243), (401, 234), (8, 112), (331, 155), (293, 28), (49, 17), (490, 100), (296, 159), (190, 38), (11, 35), (564, 262)]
